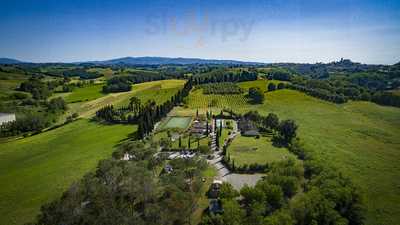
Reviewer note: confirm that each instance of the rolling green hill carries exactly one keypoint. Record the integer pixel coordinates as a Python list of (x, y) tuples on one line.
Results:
[(38, 169)]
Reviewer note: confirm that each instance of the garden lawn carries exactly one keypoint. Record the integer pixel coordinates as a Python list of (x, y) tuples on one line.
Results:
[(249, 150), (87, 93), (38, 169)]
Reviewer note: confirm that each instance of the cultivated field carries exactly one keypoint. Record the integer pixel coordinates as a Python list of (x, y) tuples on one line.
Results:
[(360, 138), (38, 169)]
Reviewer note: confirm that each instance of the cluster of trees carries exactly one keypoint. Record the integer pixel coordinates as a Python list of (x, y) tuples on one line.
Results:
[(56, 105), (69, 87), (131, 192), (31, 121), (292, 193), (320, 93), (36, 87), (224, 75), (279, 74), (272, 87), (125, 114), (118, 84), (221, 88), (82, 73), (339, 91), (386, 98), (256, 95), (109, 114)]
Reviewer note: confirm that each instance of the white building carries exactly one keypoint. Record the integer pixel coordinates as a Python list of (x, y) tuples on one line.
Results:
[(6, 117)]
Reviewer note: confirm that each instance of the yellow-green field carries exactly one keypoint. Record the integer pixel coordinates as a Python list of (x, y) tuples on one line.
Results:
[(38, 169), (85, 93), (159, 91), (360, 138)]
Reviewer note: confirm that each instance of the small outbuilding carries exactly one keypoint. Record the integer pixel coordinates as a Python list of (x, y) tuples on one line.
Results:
[(247, 128)]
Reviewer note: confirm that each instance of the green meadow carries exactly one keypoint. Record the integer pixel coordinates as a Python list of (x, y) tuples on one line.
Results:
[(249, 150), (38, 169), (87, 93), (362, 139)]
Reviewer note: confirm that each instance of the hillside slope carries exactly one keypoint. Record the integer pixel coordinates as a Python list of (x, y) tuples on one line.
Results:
[(38, 169)]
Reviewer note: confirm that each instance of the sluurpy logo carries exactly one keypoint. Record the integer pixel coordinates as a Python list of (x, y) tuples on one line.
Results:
[(200, 26)]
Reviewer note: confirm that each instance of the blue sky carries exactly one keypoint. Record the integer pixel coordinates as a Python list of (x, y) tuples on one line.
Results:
[(266, 31)]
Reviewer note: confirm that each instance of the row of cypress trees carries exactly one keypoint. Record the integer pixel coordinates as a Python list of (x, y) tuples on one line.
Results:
[(153, 113)]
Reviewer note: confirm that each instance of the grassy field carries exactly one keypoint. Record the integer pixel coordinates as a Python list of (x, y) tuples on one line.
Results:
[(361, 138), (248, 150), (87, 93), (159, 91), (38, 169)]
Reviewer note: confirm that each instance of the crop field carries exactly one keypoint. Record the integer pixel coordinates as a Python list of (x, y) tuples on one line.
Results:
[(38, 169), (248, 150), (85, 94), (201, 101), (360, 138)]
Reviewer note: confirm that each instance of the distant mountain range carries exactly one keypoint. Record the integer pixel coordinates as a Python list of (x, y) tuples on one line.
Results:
[(168, 61), (9, 61), (150, 61)]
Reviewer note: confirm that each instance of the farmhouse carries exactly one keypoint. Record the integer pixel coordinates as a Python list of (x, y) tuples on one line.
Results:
[(247, 128), (6, 117)]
